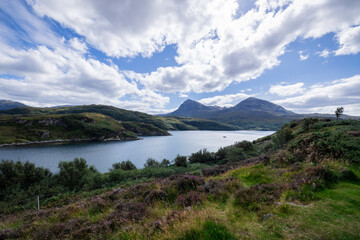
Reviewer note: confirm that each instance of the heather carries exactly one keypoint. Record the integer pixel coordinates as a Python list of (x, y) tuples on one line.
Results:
[(300, 183)]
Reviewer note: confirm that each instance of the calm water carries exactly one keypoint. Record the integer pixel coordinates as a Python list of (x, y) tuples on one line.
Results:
[(103, 155)]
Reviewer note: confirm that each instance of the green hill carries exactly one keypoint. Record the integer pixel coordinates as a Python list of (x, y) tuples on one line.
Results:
[(92, 122), (303, 182), (7, 104)]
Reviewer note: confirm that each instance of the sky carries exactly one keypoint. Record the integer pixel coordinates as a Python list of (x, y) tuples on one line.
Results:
[(151, 55)]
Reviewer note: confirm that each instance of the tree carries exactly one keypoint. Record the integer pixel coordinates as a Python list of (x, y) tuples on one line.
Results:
[(124, 165), (165, 163), (180, 161), (151, 162), (339, 111)]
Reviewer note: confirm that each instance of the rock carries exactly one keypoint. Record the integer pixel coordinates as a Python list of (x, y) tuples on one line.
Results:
[(267, 216)]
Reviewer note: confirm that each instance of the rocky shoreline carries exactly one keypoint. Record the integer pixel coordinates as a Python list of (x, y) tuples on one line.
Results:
[(64, 141)]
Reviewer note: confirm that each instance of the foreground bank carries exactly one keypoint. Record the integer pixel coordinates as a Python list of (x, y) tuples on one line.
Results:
[(302, 182)]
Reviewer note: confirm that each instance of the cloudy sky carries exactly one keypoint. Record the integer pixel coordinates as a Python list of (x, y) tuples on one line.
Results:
[(151, 55)]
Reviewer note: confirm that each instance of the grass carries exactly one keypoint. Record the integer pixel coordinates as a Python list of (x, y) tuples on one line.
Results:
[(325, 201)]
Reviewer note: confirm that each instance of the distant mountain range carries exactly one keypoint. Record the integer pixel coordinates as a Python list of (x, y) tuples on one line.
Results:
[(251, 113), (7, 104)]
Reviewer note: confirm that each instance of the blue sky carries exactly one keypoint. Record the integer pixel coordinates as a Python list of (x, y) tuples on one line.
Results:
[(151, 56)]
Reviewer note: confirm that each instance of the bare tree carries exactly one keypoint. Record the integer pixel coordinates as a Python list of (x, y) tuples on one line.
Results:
[(339, 111)]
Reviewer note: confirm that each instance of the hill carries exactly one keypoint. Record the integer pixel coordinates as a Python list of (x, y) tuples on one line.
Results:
[(300, 183), (7, 104), (251, 113), (35, 125)]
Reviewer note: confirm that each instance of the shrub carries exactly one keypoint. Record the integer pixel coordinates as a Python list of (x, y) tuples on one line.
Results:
[(155, 195), (124, 165), (220, 154), (165, 163), (132, 211), (202, 156), (250, 198), (246, 145), (151, 162), (186, 183), (215, 190), (348, 175), (180, 161), (74, 174), (189, 199), (282, 136)]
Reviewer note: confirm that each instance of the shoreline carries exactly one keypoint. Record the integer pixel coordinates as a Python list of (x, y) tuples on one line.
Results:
[(65, 141)]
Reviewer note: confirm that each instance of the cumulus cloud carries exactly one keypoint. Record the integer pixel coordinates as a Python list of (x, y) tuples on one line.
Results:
[(324, 53), (287, 90), (46, 77), (228, 100), (327, 96), (217, 44), (302, 56), (349, 40)]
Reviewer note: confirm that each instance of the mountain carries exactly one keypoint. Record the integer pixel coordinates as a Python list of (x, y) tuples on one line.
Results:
[(251, 113), (7, 104), (191, 108), (252, 104)]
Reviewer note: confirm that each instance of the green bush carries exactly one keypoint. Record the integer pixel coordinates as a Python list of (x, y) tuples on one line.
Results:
[(180, 161), (75, 174), (124, 165), (151, 162), (202, 156)]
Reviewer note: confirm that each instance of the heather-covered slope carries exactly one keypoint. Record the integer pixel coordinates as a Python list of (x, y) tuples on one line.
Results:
[(300, 183)]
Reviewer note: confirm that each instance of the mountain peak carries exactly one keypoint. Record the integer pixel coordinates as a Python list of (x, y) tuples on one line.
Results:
[(190, 108), (256, 104)]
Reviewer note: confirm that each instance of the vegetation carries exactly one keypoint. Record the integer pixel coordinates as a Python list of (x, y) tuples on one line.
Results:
[(303, 182), (339, 111)]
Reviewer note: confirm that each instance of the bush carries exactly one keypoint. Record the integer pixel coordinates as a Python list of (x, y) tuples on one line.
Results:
[(348, 175), (250, 198), (165, 163), (190, 199), (186, 183), (151, 162), (155, 195), (202, 156), (124, 165), (180, 161), (246, 145), (75, 174)]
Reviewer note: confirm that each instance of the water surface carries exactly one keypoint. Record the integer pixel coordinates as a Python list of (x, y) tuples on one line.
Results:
[(103, 154)]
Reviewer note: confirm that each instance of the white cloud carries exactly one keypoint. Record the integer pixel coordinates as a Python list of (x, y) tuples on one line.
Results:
[(28, 27), (79, 45), (325, 53), (48, 77), (217, 44), (240, 49), (349, 40), (228, 100), (287, 90), (302, 56), (183, 95), (324, 97)]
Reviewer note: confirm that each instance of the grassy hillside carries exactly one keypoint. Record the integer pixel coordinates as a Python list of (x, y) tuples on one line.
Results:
[(46, 127), (154, 123), (300, 183)]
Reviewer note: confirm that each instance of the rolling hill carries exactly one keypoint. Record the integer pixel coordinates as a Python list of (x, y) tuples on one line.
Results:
[(7, 104)]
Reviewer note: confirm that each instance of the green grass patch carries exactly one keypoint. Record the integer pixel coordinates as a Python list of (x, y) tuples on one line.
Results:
[(258, 174)]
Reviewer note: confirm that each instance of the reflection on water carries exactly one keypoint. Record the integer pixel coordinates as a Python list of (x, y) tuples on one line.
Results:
[(102, 155)]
